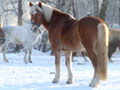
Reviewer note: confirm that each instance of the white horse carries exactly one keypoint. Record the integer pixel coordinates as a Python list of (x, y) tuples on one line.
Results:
[(20, 35)]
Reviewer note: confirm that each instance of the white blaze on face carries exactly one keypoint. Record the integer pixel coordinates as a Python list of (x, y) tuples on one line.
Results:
[(33, 8), (46, 11)]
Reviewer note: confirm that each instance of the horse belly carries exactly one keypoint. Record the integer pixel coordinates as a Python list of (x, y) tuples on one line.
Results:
[(18, 41), (76, 48)]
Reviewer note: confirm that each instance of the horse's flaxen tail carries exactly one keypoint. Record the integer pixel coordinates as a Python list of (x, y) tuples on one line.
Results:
[(102, 50)]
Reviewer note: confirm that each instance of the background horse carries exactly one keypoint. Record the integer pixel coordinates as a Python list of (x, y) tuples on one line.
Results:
[(20, 35), (68, 34), (114, 42)]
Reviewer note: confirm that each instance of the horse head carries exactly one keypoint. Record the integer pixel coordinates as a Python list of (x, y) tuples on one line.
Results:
[(36, 15)]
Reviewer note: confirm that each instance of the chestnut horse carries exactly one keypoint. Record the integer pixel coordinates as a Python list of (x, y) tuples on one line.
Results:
[(68, 34)]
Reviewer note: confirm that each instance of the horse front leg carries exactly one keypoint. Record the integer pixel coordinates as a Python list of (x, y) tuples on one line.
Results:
[(25, 57), (29, 56), (68, 56), (57, 66), (4, 47)]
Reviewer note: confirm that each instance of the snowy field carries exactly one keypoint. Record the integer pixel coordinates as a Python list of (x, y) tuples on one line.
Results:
[(16, 75)]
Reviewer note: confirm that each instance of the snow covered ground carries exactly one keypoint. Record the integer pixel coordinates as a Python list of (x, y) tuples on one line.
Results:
[(16, 75)]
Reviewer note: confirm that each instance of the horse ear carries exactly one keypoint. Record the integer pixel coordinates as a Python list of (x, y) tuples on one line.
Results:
[(40, 4), (30, 4)]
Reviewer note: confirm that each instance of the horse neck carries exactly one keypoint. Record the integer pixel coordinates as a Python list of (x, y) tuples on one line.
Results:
[(58, 17)]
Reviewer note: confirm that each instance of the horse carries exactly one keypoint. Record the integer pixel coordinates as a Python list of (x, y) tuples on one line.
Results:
[(70, 35), (114, 42), (20, 35)]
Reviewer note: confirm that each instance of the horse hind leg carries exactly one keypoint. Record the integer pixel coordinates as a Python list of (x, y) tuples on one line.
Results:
[(29, 56), (68, 56), (84, 56), (57, 65), (95, 80), (100, 55)]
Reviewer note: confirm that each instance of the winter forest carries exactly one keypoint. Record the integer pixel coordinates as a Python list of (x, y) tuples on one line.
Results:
[(39, 73)]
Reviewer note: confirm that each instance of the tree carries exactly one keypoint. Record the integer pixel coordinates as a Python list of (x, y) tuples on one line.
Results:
[(96, 8), (113, 15), (20, 12), (103, 9)]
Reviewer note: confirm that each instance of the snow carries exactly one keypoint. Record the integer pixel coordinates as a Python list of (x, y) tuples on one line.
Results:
[(16, 75)]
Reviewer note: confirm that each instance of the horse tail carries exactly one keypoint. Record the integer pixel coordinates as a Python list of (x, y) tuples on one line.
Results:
[(102, 51)]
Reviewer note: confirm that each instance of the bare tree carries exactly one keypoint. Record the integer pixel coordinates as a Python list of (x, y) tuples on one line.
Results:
[(75, 9), (20, 12), (96, 8), (113, 15), (103, 9)]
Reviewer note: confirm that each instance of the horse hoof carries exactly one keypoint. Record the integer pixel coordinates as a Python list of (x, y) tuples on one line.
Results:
[(30, 61), (26, 62), (111, 61), (69, 81), (55, 81), (6, 61), (93, 85)]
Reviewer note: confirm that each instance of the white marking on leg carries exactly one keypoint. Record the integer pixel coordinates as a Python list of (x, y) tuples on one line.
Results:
[(57, 65), (25, 57), (95, 81), (29, 57), (4, 47), (4, 56), (68, 56)]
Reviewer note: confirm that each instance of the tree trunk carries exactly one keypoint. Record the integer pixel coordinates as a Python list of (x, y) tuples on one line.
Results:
[(103, 9), (96, 8), (20, 12), (75, 9), (64, 5), (113, 15)]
